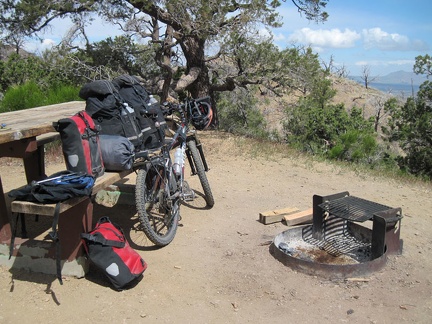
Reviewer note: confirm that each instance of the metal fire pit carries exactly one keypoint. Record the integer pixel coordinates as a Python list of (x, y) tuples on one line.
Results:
[(349, 237)]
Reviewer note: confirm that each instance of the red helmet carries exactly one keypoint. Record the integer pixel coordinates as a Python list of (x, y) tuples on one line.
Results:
[(201, 114)]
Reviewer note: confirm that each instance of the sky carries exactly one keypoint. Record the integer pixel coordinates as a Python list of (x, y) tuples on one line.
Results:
[(383, 35)]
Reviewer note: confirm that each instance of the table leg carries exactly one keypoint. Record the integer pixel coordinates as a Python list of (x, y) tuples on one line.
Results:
[(34, 164), (5, 229)]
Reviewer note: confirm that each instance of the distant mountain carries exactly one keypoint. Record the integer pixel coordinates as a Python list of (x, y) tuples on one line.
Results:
[(402, 77), (398, 77)]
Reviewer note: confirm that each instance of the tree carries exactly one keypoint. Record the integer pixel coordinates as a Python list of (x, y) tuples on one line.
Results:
[(382, 107), (411, 126), (367, 77), (206, 34), (423, 65)]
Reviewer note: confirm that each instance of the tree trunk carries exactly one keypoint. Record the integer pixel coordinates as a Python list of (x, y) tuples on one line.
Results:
[(193, 49)]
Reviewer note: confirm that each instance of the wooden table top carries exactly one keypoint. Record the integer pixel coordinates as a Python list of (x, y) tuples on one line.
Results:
[(31, 122)]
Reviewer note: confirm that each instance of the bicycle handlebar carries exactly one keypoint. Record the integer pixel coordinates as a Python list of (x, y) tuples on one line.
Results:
[(170, 108)]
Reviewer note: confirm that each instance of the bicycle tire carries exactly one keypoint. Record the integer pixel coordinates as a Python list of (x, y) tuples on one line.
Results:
[(196, 157), (158, 214)]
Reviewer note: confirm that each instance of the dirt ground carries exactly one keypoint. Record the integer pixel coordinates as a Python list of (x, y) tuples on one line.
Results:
[(218, 269)]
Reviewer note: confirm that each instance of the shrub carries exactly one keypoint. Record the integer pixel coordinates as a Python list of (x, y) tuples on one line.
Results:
[(330, 130), (238, 114), (30, 95)]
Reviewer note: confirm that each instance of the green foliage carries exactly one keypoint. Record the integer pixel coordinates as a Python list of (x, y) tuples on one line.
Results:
[(355, 146), (317, 127), (423, 64), (238, 114), (312, 128), (17, 70), (47, 71), (410, 126), (122, 56), (30, 95)]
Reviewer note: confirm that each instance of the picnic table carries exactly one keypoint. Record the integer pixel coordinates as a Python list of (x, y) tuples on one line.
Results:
[(23, 134)]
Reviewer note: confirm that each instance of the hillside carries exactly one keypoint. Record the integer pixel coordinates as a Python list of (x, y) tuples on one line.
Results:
[(348, 92)]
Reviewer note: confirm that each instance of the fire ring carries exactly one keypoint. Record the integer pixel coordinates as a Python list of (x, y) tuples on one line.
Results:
[(349, 237), (290, 248)]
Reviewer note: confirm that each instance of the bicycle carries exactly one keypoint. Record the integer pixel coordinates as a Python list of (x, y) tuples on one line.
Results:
[(160, 185), (199, 114)]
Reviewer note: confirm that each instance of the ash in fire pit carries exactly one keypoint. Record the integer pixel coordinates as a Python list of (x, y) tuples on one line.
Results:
[(337, 246)]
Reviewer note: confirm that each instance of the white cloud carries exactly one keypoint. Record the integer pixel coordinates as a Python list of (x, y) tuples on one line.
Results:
[(48, 43), (405, 63), (278, 37), (325, 38), (402, 62), (38, 47), (377, 38)]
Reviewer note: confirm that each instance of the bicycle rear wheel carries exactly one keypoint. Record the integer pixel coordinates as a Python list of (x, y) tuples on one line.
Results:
[(199, 167), (158, 213)]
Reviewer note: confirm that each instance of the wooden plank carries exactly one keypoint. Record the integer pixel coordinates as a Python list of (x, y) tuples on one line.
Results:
[(47, 138), (302, 217), (275, 216), (35, 121)]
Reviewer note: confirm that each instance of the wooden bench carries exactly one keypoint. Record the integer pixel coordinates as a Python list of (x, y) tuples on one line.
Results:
[(76, 217), (25, 207)]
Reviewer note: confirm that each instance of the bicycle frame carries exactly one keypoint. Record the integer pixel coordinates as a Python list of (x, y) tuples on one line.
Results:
[(163, 158), (191, 135)]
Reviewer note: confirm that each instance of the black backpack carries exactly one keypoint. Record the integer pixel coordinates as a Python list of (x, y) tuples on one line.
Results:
[(101, 98), (149, 114), (58, 187), (108, 110)]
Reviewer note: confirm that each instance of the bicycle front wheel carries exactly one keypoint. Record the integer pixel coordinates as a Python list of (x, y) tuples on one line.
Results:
[(158, 213), (199, 167)]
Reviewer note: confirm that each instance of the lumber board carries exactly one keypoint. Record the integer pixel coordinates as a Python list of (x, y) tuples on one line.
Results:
[(274, 216), (301, 217), (35, 121)]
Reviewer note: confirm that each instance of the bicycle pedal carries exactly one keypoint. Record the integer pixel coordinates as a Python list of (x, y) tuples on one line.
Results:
[(188, 193)]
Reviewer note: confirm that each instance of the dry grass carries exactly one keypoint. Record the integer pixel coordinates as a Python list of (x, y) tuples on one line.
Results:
[(221, 143)]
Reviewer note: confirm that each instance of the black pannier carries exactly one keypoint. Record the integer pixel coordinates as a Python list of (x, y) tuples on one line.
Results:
[(148, 111), (108, 110), (101, 98)]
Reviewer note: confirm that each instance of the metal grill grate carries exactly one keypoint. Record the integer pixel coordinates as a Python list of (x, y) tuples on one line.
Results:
[(352, 208), (340, 242)]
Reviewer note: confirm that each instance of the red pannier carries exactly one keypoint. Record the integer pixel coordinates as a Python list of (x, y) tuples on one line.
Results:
[(108, 249), (80, 144)]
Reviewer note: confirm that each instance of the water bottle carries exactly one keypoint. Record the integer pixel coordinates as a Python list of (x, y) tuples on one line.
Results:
[(127, 109), (178, 161), (152, 100)]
